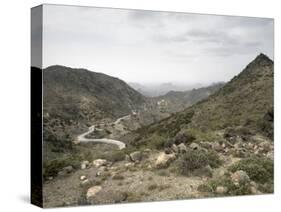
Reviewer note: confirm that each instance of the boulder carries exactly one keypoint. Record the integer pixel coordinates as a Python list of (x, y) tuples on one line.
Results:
[(85, 183), (194, 146), (128, 158), (240, 178), (265, 146), (129, 165), (92, 192), (136, 156), (182, 148), (217, 147), (68, 169), (83, 177), (164, 160), (270, 155), (221, 190), (175, 148), (85, 164), (100, 162)]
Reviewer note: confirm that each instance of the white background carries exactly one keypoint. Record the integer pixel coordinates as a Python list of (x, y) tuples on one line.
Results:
[(15, 106)]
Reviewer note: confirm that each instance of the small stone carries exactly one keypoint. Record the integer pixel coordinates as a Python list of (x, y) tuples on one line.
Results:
[(83, 177), (254, 190), (182, 148), (128, 165), (175, 148), (99, 162), (84, 164), (68, 169), (194, 146), (217, 147), (221, 190), (93, 191), (240, 177), (164, 160), (85, 183), (136, 156)]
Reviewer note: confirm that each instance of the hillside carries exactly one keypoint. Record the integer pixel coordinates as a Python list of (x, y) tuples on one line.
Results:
[(220, 146), (245, 101), (86, 95), (175, 101), (74, 99)]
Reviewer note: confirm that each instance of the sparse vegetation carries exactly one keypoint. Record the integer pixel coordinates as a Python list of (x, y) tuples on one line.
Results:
[(193, 160), (152, 187), (259, 169)]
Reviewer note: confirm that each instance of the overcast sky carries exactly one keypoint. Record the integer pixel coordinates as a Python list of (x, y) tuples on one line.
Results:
[(146, 46)]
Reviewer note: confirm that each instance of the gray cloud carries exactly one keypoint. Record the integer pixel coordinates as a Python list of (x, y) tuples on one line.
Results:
[(147, 46)]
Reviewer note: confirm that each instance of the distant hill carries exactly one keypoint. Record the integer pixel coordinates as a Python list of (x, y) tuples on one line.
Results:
[(159, 89), (175, 101), (246, 101), (80, 94)]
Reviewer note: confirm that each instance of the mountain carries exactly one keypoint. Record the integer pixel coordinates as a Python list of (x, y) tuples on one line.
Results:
[(80, 94), (246, 102), (74, 99), (175, 101), (159, 89)]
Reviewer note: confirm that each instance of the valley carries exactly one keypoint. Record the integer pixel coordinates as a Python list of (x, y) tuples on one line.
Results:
[(107, 143)]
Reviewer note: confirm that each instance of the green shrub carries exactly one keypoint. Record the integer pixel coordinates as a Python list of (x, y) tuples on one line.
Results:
[(118, 177), (192, 160), (115, 156), (225, 181), (156, 142), (259, 169), (52, 167), (152, 187)]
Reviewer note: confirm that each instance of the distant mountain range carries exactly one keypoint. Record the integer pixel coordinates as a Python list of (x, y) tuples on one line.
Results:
[(159, 89)]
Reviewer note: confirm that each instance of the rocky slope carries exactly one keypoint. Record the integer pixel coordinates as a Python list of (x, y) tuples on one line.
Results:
[(175, 101), (85, 95), (244, 101)]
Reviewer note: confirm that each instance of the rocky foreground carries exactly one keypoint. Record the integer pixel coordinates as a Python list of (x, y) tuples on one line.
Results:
[(234, 165)]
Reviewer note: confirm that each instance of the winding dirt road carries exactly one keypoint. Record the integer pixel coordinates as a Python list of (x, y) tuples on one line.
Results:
[(120, 144)]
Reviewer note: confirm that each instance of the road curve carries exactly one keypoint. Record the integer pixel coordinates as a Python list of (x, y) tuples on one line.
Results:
[(82, 138)]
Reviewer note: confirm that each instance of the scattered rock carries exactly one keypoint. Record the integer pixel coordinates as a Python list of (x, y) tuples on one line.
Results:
[(221, 190), (239, 178), (85, 164), (100, 162), (270, 155), (240, 152), (175, 148), (136, 156), (164, 160), (85, 183), (68, 169), (217, 147), (93, 191), (182, 148), (128, 158), (194, 146), (128, 165), (265, 146), (83, 177), (65, 170)]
